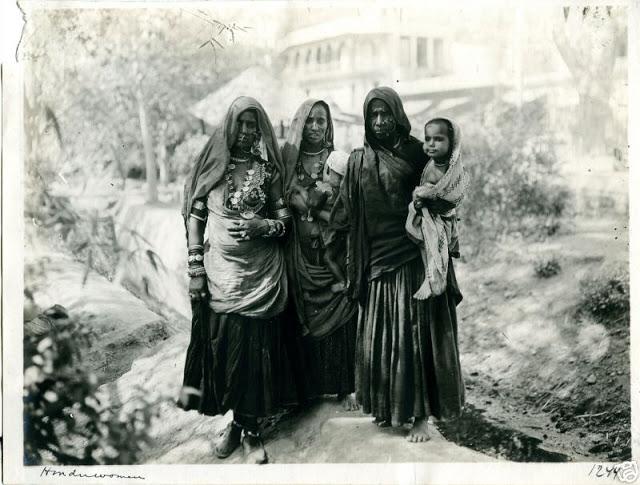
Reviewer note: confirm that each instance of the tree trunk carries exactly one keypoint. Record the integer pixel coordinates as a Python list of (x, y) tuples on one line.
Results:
[(152, 183), (586, 40), (162, 154)]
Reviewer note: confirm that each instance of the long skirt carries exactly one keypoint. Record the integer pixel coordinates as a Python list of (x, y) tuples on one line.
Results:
[(236, 362), (331, 361), (407, 350)]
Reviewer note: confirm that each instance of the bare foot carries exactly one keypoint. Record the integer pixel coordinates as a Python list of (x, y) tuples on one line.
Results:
[(419, 432), (254, 451), (349, 402), (382, 422)]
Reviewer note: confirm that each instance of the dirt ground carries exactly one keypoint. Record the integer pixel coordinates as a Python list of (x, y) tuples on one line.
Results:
[(542, 384), (539, 377)]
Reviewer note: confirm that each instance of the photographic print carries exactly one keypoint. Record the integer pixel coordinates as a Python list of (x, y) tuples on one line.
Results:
[(295, 233)]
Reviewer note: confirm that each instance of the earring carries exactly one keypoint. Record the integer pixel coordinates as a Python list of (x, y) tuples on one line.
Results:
[(255, 148)]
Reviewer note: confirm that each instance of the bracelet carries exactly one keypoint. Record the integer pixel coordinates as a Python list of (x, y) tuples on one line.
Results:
[(276, 228), (195, 258), (197, 271), (196, 247), (282, 214), (201, 219)]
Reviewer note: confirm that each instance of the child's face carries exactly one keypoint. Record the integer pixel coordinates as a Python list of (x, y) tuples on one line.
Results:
[(436, 141)]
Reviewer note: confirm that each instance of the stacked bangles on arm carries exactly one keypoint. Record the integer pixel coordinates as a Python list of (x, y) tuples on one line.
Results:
[(196, 261)]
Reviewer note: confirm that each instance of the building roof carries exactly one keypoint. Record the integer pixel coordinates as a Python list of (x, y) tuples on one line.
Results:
[(279, 100), (363, 24)]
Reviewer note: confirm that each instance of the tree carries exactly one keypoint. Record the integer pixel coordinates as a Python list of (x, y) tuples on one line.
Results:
[(119, 82), (586, 38)]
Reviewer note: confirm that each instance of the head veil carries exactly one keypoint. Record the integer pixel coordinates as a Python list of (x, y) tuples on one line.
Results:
[(291, 148), (212, 161), (392, 99)]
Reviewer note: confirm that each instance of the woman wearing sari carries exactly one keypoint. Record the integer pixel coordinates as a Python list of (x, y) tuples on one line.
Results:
[(407, 363), (236, 359), (326, 314)]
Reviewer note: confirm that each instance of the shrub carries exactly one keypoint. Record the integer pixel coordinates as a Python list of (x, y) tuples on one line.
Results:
[(547, 267), (509, 153), (605, 296), (65, 420)]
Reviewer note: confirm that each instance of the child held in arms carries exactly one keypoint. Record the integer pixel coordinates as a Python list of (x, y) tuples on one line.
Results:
[(443, 177), (319, 200)]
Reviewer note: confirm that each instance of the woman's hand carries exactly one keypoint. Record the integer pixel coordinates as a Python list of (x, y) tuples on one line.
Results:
[(198, 288), (422, 192), (299, 202), (249, 229)]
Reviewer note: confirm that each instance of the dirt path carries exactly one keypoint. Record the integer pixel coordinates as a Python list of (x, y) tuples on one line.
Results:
[(325, 433)]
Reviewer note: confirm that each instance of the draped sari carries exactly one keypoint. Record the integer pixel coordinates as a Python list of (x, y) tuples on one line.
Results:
[(407, 361), (236, 357), (327, 320)]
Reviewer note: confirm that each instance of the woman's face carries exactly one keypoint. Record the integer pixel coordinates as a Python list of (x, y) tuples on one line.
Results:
[(381, 120), (436, 141), (315, 128), (247, 130)]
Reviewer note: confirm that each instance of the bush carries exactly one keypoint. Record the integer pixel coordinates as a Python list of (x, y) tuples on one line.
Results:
[(65, 421), (514, 188), (605, 296), (547, 267)]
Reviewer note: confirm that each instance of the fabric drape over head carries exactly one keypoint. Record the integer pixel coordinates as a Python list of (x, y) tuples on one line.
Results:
[(211, 163), (374, 219), (430, 230), (291, 148), (319, 310)]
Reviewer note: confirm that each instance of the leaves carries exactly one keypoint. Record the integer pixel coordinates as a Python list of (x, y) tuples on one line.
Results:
[(61, 404)]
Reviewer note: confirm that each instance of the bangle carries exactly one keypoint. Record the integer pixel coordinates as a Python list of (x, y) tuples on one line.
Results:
[(282, 214), (201, 219), (276, 228), (195, 258), (197, 271), (195, 247)]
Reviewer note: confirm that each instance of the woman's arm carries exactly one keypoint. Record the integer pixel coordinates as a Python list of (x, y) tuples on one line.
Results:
[(195, 238)]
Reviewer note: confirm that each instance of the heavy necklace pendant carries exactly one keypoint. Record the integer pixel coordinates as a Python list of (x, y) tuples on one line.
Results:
[(247, 214)]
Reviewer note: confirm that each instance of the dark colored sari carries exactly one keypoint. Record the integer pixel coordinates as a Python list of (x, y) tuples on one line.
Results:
[(407, 362), (327, 320)]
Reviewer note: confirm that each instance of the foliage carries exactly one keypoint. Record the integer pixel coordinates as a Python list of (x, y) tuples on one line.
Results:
[(514, 188), (93, 90), (605, 295), (547, 267), (90, 236), (65, 418)]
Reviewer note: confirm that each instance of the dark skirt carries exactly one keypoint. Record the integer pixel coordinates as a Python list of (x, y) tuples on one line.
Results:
[(407, 350), (331, 361), (238, 363)]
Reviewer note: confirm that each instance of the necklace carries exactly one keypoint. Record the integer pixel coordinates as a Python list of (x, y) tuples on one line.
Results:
[(250, 198), (313, 153)]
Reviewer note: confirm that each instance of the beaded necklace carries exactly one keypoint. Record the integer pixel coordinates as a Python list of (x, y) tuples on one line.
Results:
[(316, 168)]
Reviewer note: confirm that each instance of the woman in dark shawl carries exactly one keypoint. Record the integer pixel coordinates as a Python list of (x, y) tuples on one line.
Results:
[(236, 359), (326, 314), (407, 351)]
